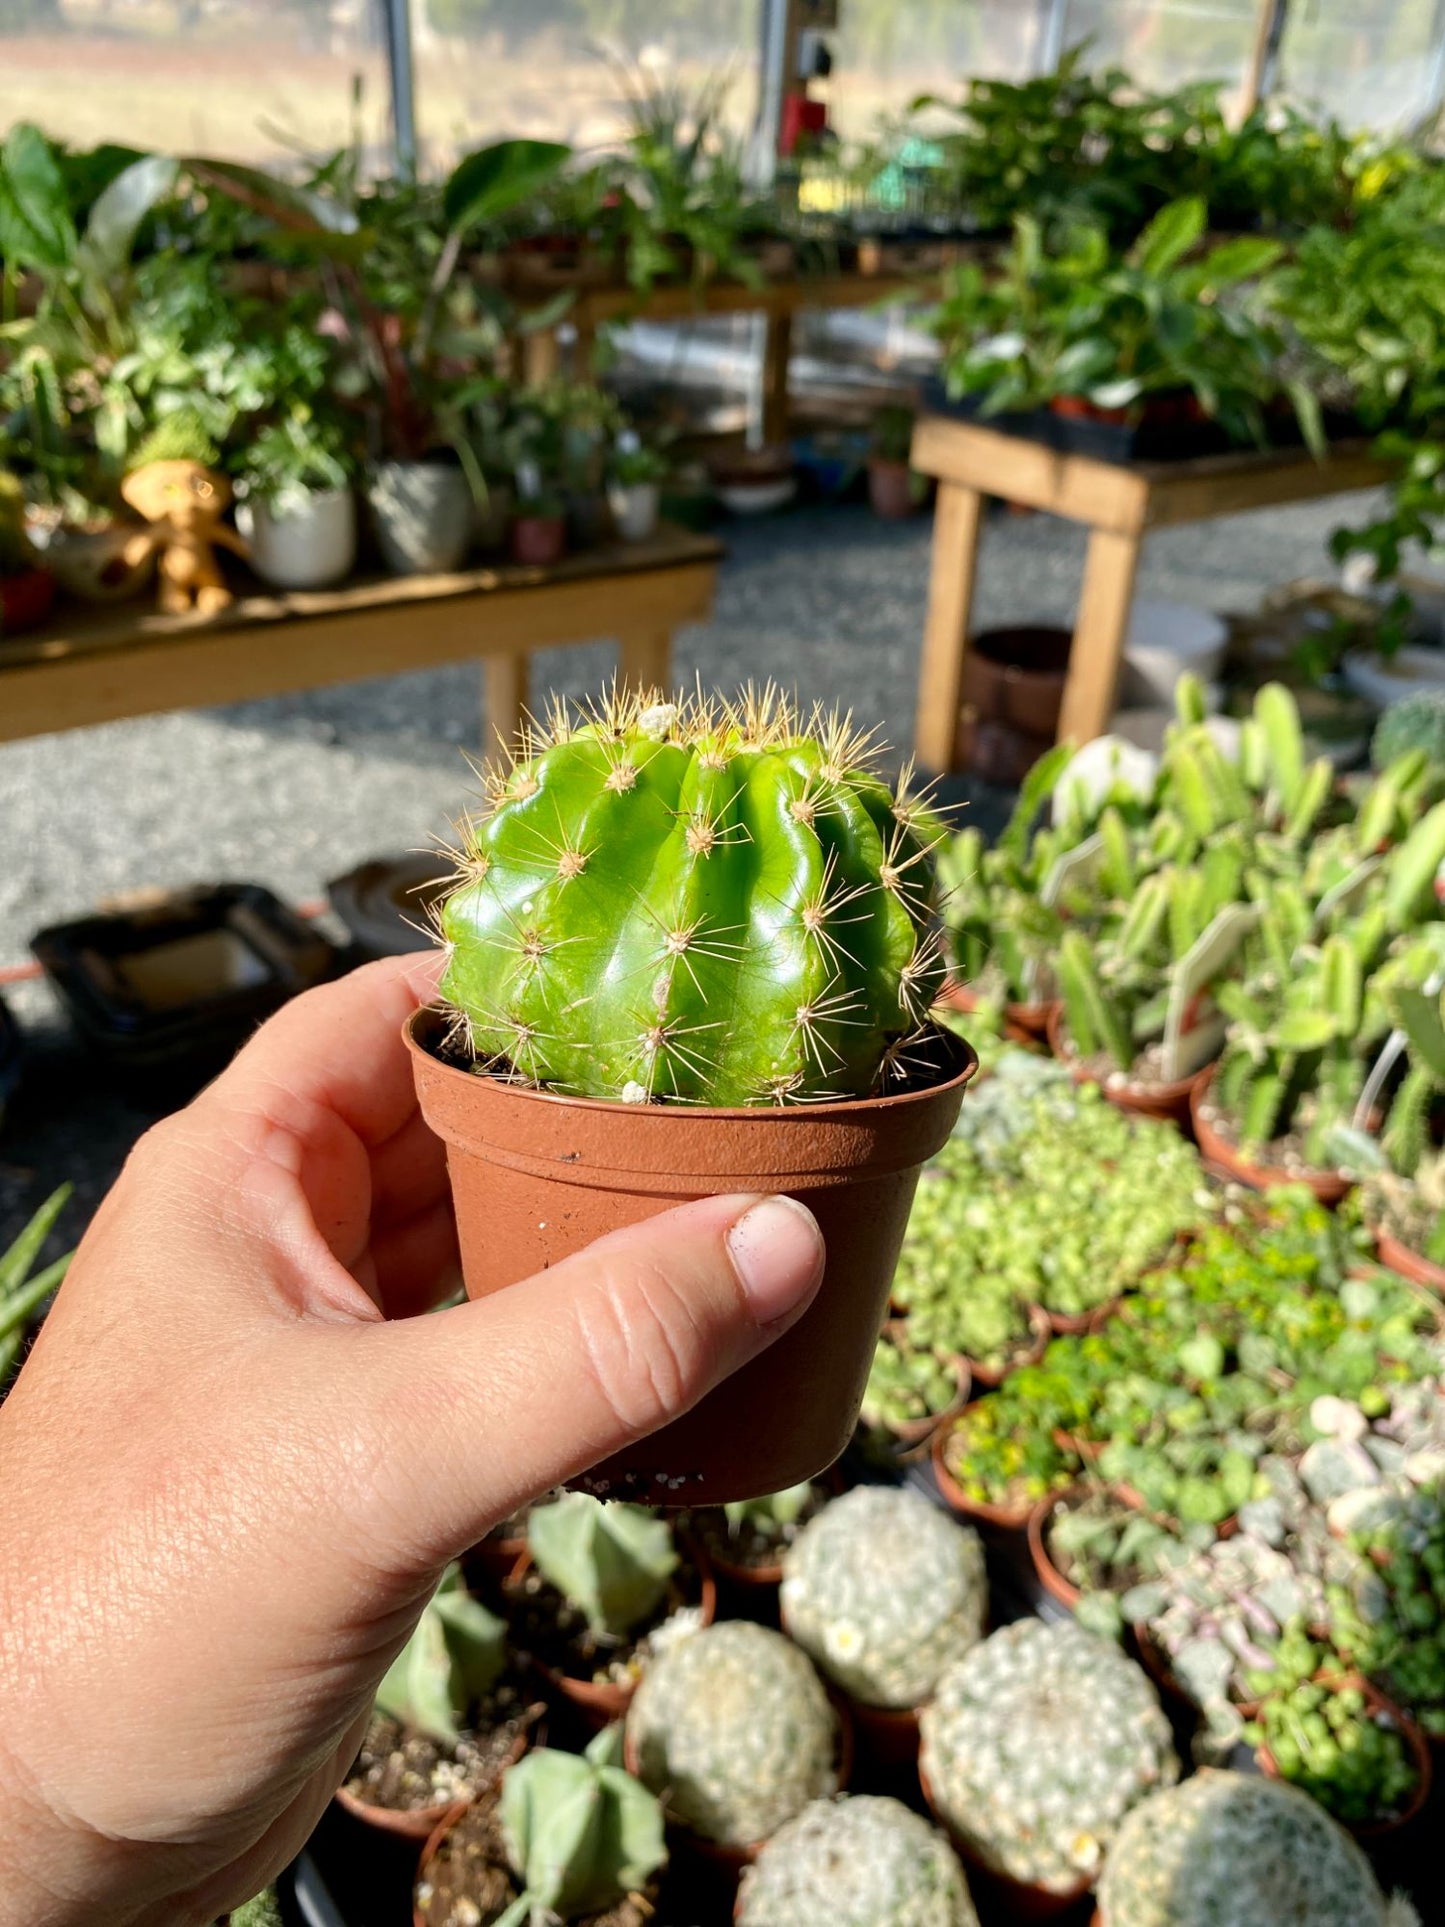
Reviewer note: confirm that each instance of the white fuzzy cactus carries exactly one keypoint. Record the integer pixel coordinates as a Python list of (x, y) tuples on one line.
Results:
[(865, 1862), (733, 1729), (1235, 1850), (883, 1590), (1036, 1745)]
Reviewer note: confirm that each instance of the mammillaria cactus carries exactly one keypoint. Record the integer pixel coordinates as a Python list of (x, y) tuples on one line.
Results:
[(883, 1590), (1036, 1744), (865, 1862), (611, 1561), (734, 1729), (452, 1659), (704, 902), (581, 1833), (1232, 1850)]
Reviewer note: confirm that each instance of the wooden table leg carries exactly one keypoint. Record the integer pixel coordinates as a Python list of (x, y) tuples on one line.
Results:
[(541, 357), (777, 354), (506, 700), (957, 521), (1098, 650), (645, 660)]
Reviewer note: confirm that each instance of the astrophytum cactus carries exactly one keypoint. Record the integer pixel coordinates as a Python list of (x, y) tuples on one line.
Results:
[(865, 1862), (699, 901)]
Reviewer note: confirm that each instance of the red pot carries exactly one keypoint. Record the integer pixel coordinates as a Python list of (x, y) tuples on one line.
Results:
[(1169, 1103), (1413, 1265), (1005, 1518), (892, 491), (1014, 1900), (1023, 1023), (538, 540), (536, 1177), (1328, 1186), (25, 600), (1064, 1324)]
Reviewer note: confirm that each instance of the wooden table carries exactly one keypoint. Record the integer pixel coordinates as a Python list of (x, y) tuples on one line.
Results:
[(94, 664), (1119, 502)]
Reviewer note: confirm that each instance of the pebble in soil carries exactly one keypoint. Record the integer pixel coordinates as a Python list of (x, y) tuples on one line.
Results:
[(404, 1770)]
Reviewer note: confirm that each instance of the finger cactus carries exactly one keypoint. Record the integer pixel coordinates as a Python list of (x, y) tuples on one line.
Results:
[(612, 1561), (882, 1590), (865, 1862), (700, 902), (733, 1729), (1036, 1744), (1235, 1850), (454, 1657)]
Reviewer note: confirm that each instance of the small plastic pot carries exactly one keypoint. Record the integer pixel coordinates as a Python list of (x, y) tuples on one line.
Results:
[(1049, 1577), (1023, 1023), (537, 1176), (981, 1511), (537, 541), (1417, 1746), (1015, 1900), (989, 1376), (894, 492), (1328, 1186), (1169, 1103), (1413, 1265), (419, 1823)]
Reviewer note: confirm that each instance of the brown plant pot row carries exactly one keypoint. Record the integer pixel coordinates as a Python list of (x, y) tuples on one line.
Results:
[(1169, 1103), (1328, 1186), (1014, 1900), (537, 1176), (1413, 1265), (1023, 1023), (1416, 1745)]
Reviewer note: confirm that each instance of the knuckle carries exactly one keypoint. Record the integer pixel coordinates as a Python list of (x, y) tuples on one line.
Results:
[(642, 1345)]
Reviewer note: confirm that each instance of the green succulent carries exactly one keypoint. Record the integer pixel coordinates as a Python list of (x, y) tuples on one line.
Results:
[(581, 1833), (453, 1659), (1414, 723), (611, 1561)]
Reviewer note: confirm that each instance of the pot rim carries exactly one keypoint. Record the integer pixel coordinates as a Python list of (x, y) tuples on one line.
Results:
[(1049, 1899), (1330, 1187)]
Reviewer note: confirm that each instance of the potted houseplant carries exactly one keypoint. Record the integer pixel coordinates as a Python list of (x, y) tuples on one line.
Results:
[(895, 489), (572, 1838), (604, 1111), (598, 1590), (590, 418), (745, 1539), (452, 1713), (294, 501), (634, 491), (539, 530), (26, 589)]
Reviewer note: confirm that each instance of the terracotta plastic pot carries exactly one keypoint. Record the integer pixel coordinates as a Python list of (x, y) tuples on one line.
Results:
[(536, 1177), (1416, 1745), (889, 1733), (989, 1376), (1167, 1102), (538, 540), (1023, 1023), (1011, 696), (1413, 1265), (419, 1823), (893, 492), (981, 1511), (601, 1701), (1066, 1324), (1049, 1577), (25, 600), (1014, 1900), (1328, 1186)]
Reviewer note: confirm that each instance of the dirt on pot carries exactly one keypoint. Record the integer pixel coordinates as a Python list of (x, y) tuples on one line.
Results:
[(406, 1771), (467, 1882)]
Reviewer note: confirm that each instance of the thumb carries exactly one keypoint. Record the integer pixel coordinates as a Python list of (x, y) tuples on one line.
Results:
[(487, 1404)]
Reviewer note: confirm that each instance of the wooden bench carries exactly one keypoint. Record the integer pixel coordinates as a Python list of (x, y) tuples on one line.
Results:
[(1119, 502), (97, 663)]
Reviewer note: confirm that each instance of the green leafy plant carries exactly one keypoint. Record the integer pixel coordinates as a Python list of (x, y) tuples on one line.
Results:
[(890, 434), (612, 1561), (454, 1657), (22, 1293), (773, 1513), (303, 453), (906, 1385), (1415, 722)]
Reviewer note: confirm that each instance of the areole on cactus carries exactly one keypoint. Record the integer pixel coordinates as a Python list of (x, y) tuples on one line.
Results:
[(708, 902)]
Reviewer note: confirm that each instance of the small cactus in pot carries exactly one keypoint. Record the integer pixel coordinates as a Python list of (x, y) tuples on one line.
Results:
[(1036, 1744), (882, 1590), (861, 1862), (581, 1833), (734, 1730)]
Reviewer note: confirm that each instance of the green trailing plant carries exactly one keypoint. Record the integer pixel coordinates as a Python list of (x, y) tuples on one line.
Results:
[(863, 1861), (765, 873), (733, 1729), (452, 1660), (613, 1562), (1037, 1743), (1387, 1619), (581, 1833), (1232, 1850), (23, 1292), (881, 1590)]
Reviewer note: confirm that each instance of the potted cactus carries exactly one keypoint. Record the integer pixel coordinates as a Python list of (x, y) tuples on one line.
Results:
[(770, 1033), (1035, 1745), (734, 1731), (26, 589), (598, 1590), (882, 1590), (1231, 1850), (745, 1539), (572, 1838), (451, 1715), (855, 1862)]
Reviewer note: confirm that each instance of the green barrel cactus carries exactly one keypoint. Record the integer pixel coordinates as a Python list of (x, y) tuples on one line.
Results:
[(698, 901), (882, 1590), (864, 1862), (1415, 722), (1037, 1743), (733, 1729), (1234, 1850)]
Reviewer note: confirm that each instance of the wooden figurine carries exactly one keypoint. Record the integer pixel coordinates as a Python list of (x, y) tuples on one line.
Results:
[(183, 501)]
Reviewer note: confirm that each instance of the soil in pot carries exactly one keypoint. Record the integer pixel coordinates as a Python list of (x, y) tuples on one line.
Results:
[(465, 1880), (753, 1554), (555, 1633), (406, 1772), (1012, 692), (1142, 1090)]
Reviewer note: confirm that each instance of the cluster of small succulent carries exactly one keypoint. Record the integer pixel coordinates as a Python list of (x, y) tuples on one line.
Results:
[(1232, 1850), (859, 1862), (1037, 1743), (1414, 723), (732, 1728), (882, 1590), (906, 1385), (1388, 1621), (718, 904)]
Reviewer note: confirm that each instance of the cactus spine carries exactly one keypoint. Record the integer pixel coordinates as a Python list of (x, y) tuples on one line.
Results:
[(882, 1589), (695, 901), (733, 1729), (865, 1862), (1036, 1745)]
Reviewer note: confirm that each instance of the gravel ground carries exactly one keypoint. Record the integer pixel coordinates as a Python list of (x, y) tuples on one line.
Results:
[(294, 791)]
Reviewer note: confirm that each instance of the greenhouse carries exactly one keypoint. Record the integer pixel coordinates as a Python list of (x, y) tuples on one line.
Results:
[(722, 967)]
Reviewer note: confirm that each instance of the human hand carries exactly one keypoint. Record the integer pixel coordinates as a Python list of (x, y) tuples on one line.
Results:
[(236, 1461)]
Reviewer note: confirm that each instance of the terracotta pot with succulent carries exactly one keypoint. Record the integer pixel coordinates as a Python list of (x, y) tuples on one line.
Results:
[(895, 489), (26, 589), (573, 1838), (745, 1541), (860, 1861), (454, 1711), (909, 1393), (599, 1591), (606, 1095), (1403, 1202), (882, 1591), (539, 530)]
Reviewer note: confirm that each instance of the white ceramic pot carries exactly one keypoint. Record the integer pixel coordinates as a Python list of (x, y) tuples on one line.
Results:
[(1409, 672), (635, 507), (90, 563), (306, 547), (1165, 641), (423, 514)]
